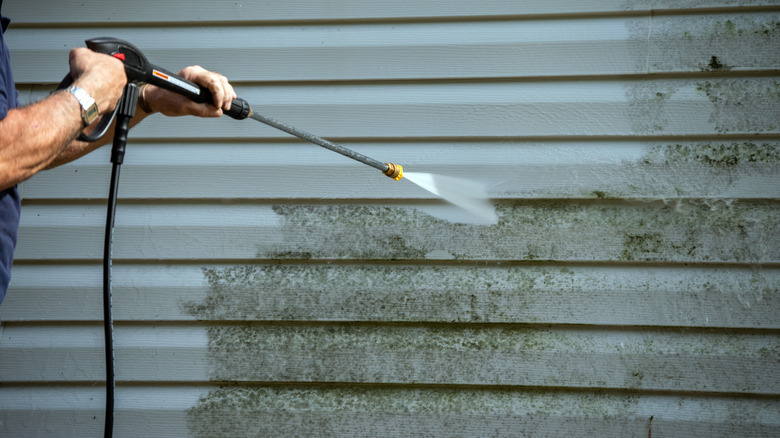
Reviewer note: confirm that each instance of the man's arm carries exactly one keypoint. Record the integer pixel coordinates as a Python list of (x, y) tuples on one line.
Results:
[(167, 103), (77, 149), (33, 136), (41, 135)]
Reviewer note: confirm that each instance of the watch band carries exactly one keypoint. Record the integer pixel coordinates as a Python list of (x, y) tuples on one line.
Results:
[(89, 109)]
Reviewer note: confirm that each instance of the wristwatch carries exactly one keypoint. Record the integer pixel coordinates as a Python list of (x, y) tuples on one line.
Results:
[(89, 109)]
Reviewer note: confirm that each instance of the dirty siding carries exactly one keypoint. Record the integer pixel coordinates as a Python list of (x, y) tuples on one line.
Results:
[(264, 287)]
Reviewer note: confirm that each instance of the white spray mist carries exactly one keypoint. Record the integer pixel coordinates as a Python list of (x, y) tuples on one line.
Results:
[(468, 195)]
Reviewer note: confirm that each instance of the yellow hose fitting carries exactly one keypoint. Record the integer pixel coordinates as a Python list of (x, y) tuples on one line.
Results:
[(394, 171)]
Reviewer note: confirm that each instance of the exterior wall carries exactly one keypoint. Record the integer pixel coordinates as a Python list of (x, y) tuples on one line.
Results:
[(265, 287)]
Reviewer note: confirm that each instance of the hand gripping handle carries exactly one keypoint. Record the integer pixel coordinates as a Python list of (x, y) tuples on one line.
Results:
[(139, 69)]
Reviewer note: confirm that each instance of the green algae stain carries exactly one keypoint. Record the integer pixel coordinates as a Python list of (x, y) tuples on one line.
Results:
[(743, 105), (347, 232), (716, 65), (392, 292), (720, 155), (600, 194), (646, 246), (699, 237), (403, 412), (535, 231)]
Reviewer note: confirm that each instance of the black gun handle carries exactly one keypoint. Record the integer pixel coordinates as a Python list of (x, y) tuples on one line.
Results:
[(139, 69), (239, 108)]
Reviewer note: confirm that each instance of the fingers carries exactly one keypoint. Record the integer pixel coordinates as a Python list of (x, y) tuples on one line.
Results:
[(216, 83), (172, 104)]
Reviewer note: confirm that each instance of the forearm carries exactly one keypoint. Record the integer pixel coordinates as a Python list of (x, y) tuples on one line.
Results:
[(164, 102), (76, 148), (33, 136), (41, 136)]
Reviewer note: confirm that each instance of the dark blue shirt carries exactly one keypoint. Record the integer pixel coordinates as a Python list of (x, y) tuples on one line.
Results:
[(10, 204)]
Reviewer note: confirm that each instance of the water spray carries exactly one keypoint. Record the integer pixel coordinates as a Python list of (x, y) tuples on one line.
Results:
[(138, 69)]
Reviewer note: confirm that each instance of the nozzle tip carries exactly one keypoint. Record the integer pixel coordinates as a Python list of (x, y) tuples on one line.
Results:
[(394, 171)]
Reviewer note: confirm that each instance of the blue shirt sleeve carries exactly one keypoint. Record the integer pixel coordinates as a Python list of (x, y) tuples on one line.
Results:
[(10, 203)]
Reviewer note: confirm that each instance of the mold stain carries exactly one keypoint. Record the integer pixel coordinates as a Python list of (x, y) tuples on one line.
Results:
[(712, 169), (743, 105), (376, 292), (707, 43), (716, 65), (600, 194), (546, 230), (648, 245), (370, 411), (719, 155), (368, 354), (738, 106)]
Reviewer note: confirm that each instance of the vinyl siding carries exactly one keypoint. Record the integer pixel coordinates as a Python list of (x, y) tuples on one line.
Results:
[(267, 287)]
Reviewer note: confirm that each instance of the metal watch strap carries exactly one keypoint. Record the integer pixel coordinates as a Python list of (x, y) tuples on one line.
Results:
[(89, 109)]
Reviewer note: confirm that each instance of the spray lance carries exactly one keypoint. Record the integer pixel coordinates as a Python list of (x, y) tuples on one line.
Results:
[(139, 69)]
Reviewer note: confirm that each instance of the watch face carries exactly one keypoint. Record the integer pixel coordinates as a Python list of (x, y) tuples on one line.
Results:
[(91, 114)]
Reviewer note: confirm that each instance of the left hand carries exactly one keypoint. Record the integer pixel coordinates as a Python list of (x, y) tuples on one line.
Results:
[(173, 104)]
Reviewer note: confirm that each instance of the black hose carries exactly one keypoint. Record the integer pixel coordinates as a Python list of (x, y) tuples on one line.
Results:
[(108, 319), (126, 111)]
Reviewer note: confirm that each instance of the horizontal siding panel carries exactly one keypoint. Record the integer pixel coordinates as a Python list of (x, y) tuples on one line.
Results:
[(503, 110), (449, 355), (117, 12), (76, 411), (79, 410), (745, 232), (508, 170), (489, 49), (548, 294)]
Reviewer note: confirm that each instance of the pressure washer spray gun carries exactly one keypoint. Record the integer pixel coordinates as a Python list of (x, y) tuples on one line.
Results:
[(139, 70)]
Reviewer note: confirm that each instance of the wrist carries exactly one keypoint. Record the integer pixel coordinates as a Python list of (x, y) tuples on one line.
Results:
[(87, 104), (143, 103)]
